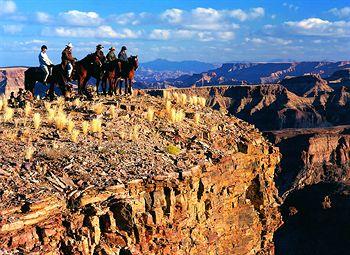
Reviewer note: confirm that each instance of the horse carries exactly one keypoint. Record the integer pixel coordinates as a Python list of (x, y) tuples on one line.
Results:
[(57, 76), (127, 73), (111, 70), (90, 66)]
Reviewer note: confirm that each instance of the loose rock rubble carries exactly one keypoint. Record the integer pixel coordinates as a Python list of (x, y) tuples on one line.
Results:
[(59, 166)]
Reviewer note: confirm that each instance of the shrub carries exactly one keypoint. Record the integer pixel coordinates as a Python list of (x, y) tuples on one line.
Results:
[(8, 115), (98, 108), (150, 114), (197, 118), (74, 135), (168, 106), (60, 120), (85, 127), (51, 113), (70, 125), (112, 112), (77, 102), (27, 109), (29, 153), (202, 101), (96, 125), (36, 120), (173, 150)]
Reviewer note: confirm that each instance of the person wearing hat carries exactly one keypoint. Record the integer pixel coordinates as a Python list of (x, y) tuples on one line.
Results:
[(111, 55), (123, 57), (99, 52), (68, 60), (122, 54), (45, 62)]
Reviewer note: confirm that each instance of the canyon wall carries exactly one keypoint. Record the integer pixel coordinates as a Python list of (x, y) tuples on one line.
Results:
[(225, 207), (11, 79)]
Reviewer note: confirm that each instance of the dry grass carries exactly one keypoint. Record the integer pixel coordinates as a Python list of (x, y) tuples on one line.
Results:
[(27, 109), (74, 135), (197, 118), (1, 104), (167, 94), (202, 101), (60, 101), (51, 114), (112, 111), (168, 106), (60, 120), (150, 114), (85, 127), (70, 125), (183, 99), (29, 152), (36, 120), (96, 125), (98, 108), (77, 103), (47, 106), (134, 135), (8, 114)]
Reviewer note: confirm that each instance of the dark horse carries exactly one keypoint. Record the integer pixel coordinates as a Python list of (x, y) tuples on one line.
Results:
[(90, 66), (114, 76), (58, 76), (82, 72)]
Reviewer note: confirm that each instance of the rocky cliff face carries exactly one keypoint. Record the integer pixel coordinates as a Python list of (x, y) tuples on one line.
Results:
[(313, 179), (216, 197), (274, 107), (312, 156), (11, 79)]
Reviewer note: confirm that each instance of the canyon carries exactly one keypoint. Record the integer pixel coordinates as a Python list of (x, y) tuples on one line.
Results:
[(280, 191)]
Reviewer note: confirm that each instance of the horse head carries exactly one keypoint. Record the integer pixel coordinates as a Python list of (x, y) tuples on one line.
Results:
[(134, 61)]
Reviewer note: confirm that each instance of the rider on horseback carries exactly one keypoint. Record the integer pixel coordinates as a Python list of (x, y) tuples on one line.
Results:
[(123, 57), (99, 52), (111, 55), (45, 62), (68, 60)]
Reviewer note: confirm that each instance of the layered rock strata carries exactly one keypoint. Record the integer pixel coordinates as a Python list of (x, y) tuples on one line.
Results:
[(225, 204)]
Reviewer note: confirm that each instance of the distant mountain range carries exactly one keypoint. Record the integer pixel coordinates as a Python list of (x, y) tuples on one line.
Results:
[(245, 73), (190, 66)]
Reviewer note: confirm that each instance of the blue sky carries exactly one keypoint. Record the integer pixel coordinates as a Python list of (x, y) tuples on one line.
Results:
[(212, 31)]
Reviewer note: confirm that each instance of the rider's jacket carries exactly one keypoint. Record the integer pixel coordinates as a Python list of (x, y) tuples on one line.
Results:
[(122, 56), (67, 57), (44, 59)]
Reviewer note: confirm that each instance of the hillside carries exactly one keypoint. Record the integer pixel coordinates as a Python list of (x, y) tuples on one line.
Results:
[(136, 184)]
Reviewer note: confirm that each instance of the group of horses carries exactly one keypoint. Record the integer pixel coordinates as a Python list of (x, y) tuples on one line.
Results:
[(109, 73)]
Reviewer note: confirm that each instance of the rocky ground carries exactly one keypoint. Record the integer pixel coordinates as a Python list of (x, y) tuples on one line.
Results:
[(128, 147)]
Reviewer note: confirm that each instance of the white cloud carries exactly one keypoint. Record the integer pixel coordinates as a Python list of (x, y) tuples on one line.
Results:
[(268, 41), (227, 35), (160, 34), (253, 13), (99, 32), (341, 13), (43, 17), (291, 6), (12, 29), (78, 18), (7, 7), (319, 27), (173, 16)]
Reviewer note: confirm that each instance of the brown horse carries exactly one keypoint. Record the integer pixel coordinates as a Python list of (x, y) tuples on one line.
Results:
[(127, 74), (88, 67), (111, 70)]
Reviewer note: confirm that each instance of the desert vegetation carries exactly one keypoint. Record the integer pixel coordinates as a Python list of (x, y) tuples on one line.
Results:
[(114, 137)]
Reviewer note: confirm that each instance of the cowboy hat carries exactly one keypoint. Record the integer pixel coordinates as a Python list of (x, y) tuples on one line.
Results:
[(112, 48), (70, 45), (99, 46)]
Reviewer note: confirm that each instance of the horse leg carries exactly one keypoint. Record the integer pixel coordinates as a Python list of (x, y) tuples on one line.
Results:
[(51, 91)]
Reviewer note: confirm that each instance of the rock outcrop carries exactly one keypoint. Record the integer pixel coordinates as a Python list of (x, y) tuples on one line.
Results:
[(312, 156), (11, 79), (307, 85), (219, 200)]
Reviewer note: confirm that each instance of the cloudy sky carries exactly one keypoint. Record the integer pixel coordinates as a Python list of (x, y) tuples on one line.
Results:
[(212, 31)]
